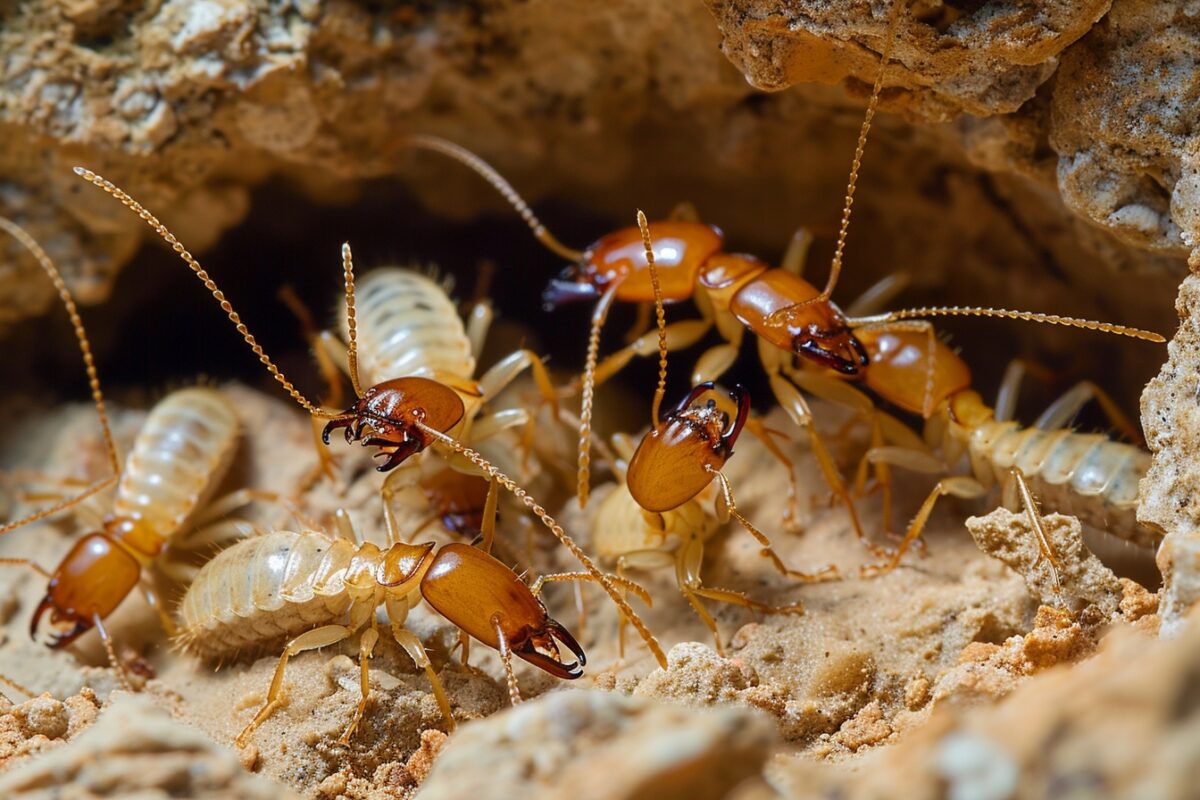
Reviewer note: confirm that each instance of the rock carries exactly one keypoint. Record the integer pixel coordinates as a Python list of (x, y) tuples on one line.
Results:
[(1179, 560), (136, 748), (1056, 735), (947, 60), (1169, 495), (1078, 580), (591, 745)]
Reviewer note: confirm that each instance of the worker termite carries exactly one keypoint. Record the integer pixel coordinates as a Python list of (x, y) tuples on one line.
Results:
[(163, 491), (326, 589), (1085, 475), (400, 417), (658, 515), (797, 325)]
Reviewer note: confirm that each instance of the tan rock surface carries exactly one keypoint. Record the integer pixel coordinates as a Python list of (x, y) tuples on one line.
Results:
[(601, 745), (134, 748), (1070, 576)]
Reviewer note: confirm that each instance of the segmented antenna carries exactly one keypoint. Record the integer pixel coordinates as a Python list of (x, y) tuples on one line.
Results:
[(486, 171), (89, 364), (835, 268), (351, 318), (660, 315), (1028, 316), (209, 284)]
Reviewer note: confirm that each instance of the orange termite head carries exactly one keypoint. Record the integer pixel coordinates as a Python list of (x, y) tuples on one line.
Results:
[(386, 416), (676, 460), (826, 339), (89, 583), (680, 248), (482, 596)]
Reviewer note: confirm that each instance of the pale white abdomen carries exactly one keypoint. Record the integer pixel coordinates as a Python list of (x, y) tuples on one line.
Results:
[(408, 326), (265, 589), (1085, 475), (179, 457)]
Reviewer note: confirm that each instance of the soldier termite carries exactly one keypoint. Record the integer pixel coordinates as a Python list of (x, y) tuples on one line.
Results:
[(676, 463), (326, 589), (163, 491), (400, 416)]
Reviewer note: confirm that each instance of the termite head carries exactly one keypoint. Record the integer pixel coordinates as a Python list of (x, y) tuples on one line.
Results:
[(829, 341), (677, 459), (485, 598), (89, 583), (680, 248), (387, 414)]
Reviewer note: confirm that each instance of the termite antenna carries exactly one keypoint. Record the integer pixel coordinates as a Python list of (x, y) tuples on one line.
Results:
[(1028, 316), (498, 182), (601, 578), (85, 348), (351, 319), (209, 284), (588, 392), (835, 267), (660, 314)]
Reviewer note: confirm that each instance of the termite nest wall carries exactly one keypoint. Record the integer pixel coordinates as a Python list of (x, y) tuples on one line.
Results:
[(1035, 155)]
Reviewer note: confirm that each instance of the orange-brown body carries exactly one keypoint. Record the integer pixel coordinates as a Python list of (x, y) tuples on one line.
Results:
[(1086, 475), (689, 262), (178, 458), (681, 455)]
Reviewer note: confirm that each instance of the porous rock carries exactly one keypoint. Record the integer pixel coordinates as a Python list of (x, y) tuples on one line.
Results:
[(1075, 579), (593, 745), (135, 748)]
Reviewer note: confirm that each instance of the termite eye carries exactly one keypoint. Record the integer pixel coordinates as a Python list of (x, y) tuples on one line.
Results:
[(711, 404)]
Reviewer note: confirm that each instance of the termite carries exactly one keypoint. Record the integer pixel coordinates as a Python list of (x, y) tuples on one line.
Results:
[(658, 515), (179, 457), (327, 588), (407, 326), (400, 416), (796, 324)]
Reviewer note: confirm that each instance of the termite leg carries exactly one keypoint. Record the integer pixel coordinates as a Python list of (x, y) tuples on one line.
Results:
[(315, 639), (828, 572), (879, 295), (1062, 411), (1029, 503), (966, 488), (684, 211), (508, 368), (794, 404), (397, 613), (680, 335), (155, 602), (791, 517), (648, 560), (366, 647), (641, 323), (479, 322), (488, 527), (796, 255)]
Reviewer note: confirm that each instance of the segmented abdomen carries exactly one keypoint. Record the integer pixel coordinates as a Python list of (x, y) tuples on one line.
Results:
[(1085, 475), (263, 590), (178, 458), (408, 326)]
